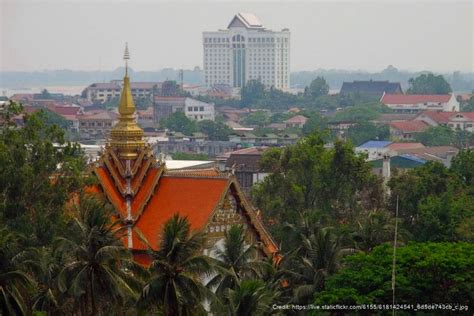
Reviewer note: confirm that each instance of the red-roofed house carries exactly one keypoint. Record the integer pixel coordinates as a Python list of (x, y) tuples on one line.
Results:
[(296, 121), (462, 121), (405, 130), (414, 103), (455, 120), (434, 118)]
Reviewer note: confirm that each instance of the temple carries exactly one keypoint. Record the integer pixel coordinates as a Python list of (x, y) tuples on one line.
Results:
[(145, 194)]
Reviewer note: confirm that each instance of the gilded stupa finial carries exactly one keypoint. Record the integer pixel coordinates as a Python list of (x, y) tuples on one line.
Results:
[(126, 137)]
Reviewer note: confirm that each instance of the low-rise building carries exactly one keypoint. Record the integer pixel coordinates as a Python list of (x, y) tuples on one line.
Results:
[(415, 103), (245, 164), (370, 87), (96, 124), (406, 130), (462, 121), (193, 109), (296, 121), (376, 149), (104, 91)]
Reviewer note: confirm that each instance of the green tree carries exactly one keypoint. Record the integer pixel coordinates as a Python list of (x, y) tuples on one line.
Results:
[(434, 203), (259, 118), (317, 258), (365, 131), (236, 262), (214, 130), (317, 88), (176, 270), (334, 183), (97, 263), (463, 166), (360, 113), (251, 297), (178, 122), (252, 92), (436, 136), (45, 265), (428, 84), (15, 284), (469, 106), (315, 123), (426, 273), (31, 192)]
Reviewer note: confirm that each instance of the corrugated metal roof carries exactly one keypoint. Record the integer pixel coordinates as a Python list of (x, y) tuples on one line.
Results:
[(375, 144)]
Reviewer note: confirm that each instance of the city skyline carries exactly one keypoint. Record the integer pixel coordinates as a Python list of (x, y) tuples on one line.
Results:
[(353, 35)]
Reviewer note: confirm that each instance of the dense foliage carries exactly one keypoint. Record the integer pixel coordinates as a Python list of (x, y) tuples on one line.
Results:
[(428, 84), (426, 273), (61, 251)]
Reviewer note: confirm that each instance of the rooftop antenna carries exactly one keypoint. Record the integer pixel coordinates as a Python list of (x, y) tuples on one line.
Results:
[(126, 57), (394, 260), (181, 79)]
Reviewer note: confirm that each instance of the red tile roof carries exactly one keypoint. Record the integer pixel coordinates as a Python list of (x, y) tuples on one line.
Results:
[(414, 98), (194, 198), (409, 126), (466, 115), (65, 110), (403, 146), (300, 119), (437, 116)]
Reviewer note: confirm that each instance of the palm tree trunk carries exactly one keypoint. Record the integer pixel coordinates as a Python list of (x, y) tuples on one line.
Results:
[(91, 290)]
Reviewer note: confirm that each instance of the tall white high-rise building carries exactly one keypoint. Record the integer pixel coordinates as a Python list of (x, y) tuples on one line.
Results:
[(246, 51)]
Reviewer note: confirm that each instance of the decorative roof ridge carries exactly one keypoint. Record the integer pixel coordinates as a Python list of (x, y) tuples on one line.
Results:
[(197, 173), (148, 195), (138, 180), (256, 221)]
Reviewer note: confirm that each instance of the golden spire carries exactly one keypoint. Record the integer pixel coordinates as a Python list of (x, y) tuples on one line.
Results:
[(127, 137)]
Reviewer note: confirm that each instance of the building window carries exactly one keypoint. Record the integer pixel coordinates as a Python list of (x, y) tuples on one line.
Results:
[(190, 108), (201, 108)]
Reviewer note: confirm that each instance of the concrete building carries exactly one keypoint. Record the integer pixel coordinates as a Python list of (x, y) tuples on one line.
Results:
[(296, 121), (193, 109), (414, 103), (245, 164), (406, 130), (455, 120), (102, 92), (246, 51), (96, 124)]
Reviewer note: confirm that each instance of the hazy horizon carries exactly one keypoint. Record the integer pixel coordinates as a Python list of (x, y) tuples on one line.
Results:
[(368, 36)]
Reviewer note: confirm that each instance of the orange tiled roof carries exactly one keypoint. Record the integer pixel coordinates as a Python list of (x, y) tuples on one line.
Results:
[(193, 198), (157, 194)]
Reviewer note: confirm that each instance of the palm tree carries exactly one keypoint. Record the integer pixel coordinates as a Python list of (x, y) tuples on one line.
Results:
[(45, 267), (318, 257), (250, 298), (14, 283), (374, 228), (96, 260), (237, 260), (176, 271)]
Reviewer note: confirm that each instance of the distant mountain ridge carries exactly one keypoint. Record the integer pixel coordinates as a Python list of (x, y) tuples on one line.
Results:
[(460, 82)]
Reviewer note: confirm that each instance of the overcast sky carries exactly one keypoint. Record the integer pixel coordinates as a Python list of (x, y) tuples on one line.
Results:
[(90, 35)]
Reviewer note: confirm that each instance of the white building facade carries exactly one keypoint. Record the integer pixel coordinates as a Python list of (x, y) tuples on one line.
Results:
[(415, 103), (247, 51), (198, 111)]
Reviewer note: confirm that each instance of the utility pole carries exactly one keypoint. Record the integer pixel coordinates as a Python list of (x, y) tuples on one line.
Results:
[(181, 80), (394, 259)]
